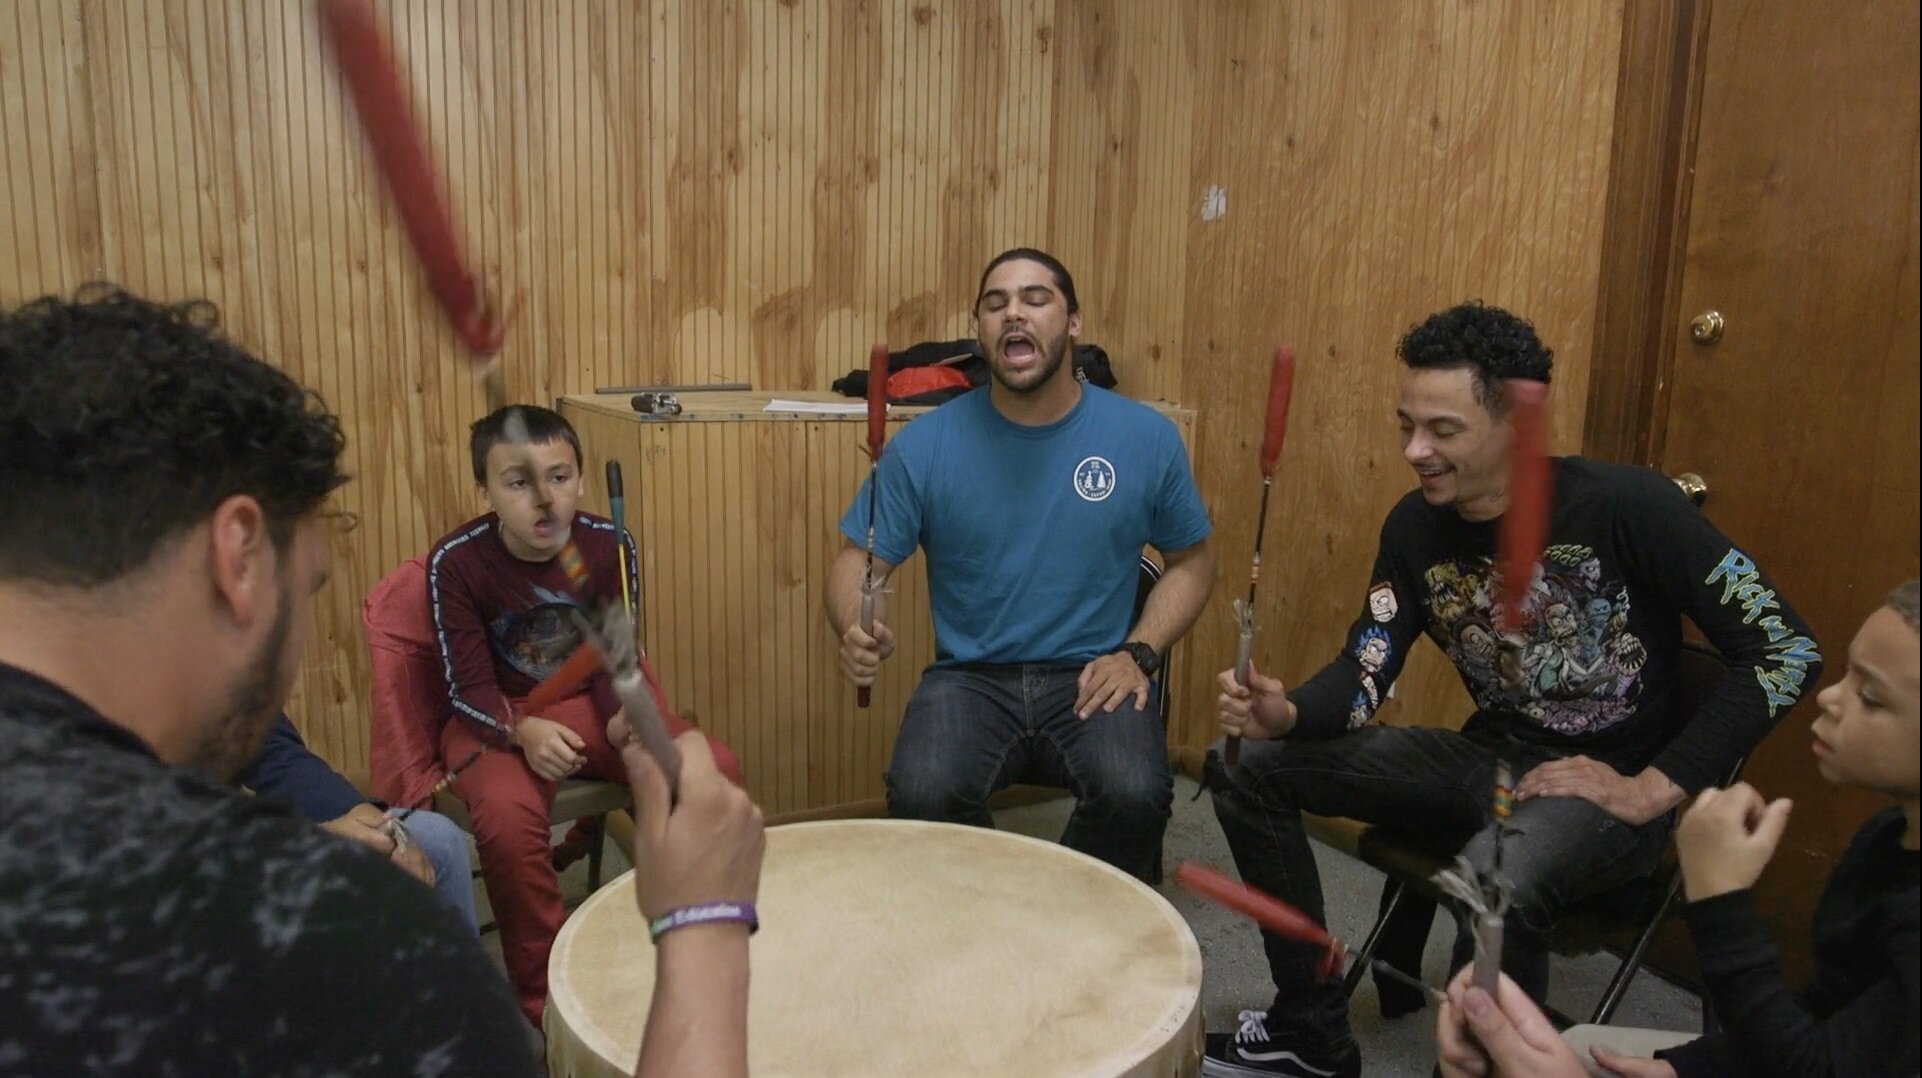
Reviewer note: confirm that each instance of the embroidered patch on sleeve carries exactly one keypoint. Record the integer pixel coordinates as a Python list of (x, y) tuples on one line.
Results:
[(1381, 602)]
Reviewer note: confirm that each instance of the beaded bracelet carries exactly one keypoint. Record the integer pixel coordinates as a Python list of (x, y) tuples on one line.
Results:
[(705, 913)]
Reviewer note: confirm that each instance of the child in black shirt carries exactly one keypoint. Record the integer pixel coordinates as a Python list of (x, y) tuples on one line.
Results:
[(1857, 1016)]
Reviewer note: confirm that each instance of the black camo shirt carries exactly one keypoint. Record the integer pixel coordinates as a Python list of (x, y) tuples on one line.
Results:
[(153, 922)]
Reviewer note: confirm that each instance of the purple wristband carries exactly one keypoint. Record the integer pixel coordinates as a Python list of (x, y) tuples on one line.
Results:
[(705, 913)]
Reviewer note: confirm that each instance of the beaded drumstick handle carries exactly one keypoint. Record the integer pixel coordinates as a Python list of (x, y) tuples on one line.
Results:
[(446, 782), (1485, 896)]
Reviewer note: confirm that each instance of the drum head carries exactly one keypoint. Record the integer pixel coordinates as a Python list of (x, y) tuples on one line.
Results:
[(893, 947)]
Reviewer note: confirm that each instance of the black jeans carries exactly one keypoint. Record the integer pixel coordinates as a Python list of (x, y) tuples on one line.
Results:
[(1429, 783), (972, 730)]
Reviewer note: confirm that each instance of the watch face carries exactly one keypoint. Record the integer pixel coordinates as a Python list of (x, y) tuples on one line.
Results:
[(1144, 656)]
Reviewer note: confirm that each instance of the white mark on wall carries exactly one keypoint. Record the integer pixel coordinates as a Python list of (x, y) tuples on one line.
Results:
[(1214, 204)]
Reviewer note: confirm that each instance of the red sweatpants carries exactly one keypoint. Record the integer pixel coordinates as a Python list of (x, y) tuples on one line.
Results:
[(509, 806)]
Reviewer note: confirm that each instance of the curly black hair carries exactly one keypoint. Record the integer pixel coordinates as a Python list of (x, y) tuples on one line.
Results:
[(125, 422), (1496, 344)]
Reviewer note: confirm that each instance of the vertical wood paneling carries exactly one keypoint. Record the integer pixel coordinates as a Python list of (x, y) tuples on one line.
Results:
[(1380, 162), (732, 522), (758, 189)]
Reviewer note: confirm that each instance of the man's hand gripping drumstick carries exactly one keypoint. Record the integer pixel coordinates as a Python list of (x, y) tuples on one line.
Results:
[(701, 850), (1281, 388)]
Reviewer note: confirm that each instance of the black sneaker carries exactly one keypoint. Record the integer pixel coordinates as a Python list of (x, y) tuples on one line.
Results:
[(1250, 1051)]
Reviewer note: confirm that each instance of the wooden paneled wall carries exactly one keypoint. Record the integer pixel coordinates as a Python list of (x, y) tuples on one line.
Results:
[(1381, 161), (734, 552), (694, 190)]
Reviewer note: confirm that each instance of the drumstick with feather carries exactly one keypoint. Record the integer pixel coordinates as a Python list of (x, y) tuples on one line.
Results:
[(1281, 387), (378, 89), (613, 646), (585, 662), (1284, 920), (1484, 896), (634, 685), (877, 440)]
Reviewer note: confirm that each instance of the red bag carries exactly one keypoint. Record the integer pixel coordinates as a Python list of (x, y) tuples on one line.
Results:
[(914, 381)]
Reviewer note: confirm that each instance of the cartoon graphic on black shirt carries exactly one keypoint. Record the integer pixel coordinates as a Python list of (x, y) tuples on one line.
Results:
[(1373, 653), (1595, 670), (1574, 668), (536, 641)]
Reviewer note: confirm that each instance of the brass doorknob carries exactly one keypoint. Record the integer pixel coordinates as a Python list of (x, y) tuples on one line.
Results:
[(1706, 328), (1694, 486)]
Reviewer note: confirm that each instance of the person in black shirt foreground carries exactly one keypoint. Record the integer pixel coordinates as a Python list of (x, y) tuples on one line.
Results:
[(161, 537), (1577, 703), (1857, 1016)]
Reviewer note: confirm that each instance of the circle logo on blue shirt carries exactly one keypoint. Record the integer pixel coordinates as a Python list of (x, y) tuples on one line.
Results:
[(1094, 479)]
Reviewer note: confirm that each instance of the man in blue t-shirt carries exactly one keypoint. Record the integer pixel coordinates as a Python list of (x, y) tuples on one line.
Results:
[(1033, 501)]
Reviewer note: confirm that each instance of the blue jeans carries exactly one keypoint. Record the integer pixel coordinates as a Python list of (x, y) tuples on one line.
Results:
[(445, 846), (971, 730), (1435, 785)]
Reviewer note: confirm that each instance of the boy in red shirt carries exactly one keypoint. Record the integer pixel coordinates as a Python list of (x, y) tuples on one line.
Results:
[(502, 603)]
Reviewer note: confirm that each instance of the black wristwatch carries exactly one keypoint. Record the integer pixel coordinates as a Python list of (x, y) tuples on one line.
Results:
[(1144, 656)]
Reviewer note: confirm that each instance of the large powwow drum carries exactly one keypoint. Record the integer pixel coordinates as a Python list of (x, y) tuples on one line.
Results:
[(892, 947)]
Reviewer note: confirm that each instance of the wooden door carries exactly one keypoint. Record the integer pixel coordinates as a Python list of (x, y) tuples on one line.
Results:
[(1802, 418)]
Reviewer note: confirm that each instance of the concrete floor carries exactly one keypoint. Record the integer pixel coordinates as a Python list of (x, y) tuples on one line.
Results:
[(1235, 974)]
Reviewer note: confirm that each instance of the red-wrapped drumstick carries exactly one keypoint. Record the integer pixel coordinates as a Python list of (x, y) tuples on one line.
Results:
[(1281, 387), (378, 89), (1282, 919), (877, 439), (1524, 528)]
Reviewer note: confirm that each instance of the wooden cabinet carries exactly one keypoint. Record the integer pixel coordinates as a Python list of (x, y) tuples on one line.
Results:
[(734, 510)]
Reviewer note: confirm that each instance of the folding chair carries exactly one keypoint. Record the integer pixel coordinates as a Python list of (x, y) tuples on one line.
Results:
[(1158, 693), (1633, 911)]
